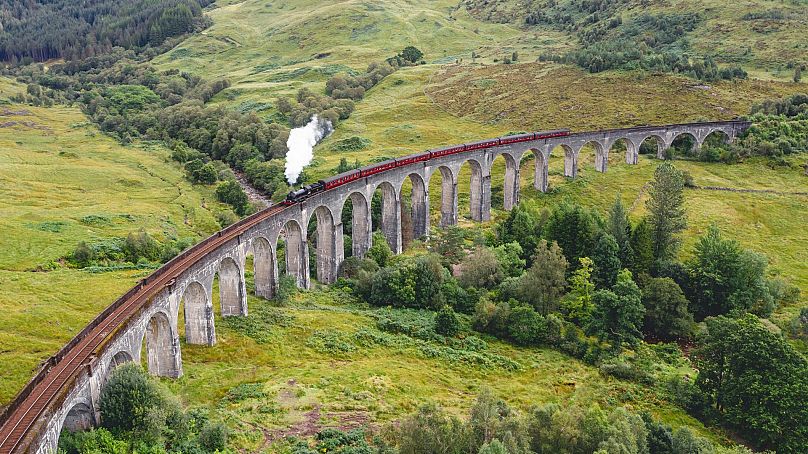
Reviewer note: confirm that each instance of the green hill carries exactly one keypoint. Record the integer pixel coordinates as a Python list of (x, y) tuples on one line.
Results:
[(64, 182)]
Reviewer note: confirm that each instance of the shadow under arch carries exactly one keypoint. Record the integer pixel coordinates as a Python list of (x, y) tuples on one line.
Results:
[(479, 207), (509, 181), (232, 293), (355, 214), (197, 310), (626, 146), (119, 359), (448, 195), (598, 152), (295, 252), (683, 143), (327, 248), (419, 205), (162, 353), (389, 214), (652, 144), (265, 268), (80, 417)]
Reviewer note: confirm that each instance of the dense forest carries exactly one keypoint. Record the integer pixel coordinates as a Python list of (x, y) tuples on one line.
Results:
[(40, 30)]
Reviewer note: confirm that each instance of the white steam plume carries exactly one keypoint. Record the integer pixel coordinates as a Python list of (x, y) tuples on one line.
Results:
[(301, 143)]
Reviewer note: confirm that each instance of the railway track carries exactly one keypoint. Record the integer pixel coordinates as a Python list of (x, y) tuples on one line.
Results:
[(25, 414)]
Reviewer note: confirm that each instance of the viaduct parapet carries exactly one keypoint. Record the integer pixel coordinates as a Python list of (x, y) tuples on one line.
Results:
[(65, 392)]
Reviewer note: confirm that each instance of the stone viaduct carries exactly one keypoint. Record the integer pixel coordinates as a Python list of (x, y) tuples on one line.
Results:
[(65, 392)]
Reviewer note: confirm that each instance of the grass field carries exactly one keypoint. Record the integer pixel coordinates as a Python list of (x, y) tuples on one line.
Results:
[(294, 385), (271, 48), (61, 182)]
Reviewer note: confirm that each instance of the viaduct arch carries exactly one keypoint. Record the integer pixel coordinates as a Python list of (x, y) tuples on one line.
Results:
[(144, 323)]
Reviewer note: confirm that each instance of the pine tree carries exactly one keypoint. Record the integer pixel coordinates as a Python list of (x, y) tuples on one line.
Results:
[(620, 228), (607, 262), (667, 216)]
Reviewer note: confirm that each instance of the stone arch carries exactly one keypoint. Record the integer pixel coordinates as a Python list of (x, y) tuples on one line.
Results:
[(679, 138), (601, 154), (479, 191), (448, 195), (390, 222), (197, 310), (510, 185), (296, 253), (717, 135), (265, 267), (232, 291), (119, 359), (80, 417), (628, 146), (570, 158), (328, 251), (162, 348), (661, 145), (359, 222), (541, 170), (419, 199)]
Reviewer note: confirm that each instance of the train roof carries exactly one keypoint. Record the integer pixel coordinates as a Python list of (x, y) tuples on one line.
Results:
[(341, 175), (517, 136)]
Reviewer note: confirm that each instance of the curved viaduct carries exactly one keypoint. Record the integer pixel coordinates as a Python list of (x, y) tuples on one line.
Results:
[(65, 391)]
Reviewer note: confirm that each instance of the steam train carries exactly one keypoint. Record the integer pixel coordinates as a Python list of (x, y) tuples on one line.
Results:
[(353, 175)]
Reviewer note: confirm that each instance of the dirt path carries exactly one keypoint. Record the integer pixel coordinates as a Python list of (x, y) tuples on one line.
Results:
[(253, 194)]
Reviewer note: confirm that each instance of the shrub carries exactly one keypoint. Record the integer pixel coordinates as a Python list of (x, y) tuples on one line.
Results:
[(213, 437), (231, 193), (380, 251), (129, 399), (526, 326), (446, 322), (481, 269), (83, 255)]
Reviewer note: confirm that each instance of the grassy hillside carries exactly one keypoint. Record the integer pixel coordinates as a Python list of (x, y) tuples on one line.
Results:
[(768, 223), (266, 48), (548, 95), (270, 49), (762, 36), (64, 182), (314, 364)]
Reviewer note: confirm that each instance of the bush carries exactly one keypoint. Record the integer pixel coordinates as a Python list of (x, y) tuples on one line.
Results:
[(231, 193), (527, 327), (380, 251), (83, 255), (213, 437), (446, 322), (129, 399)]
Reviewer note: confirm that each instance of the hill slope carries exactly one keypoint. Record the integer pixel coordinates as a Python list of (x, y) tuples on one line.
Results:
[(64, 182)]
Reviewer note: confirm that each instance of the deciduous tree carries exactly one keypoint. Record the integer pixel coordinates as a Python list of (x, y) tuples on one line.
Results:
[(618, 313), (666, 313), (756, 380), (544, 283)]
